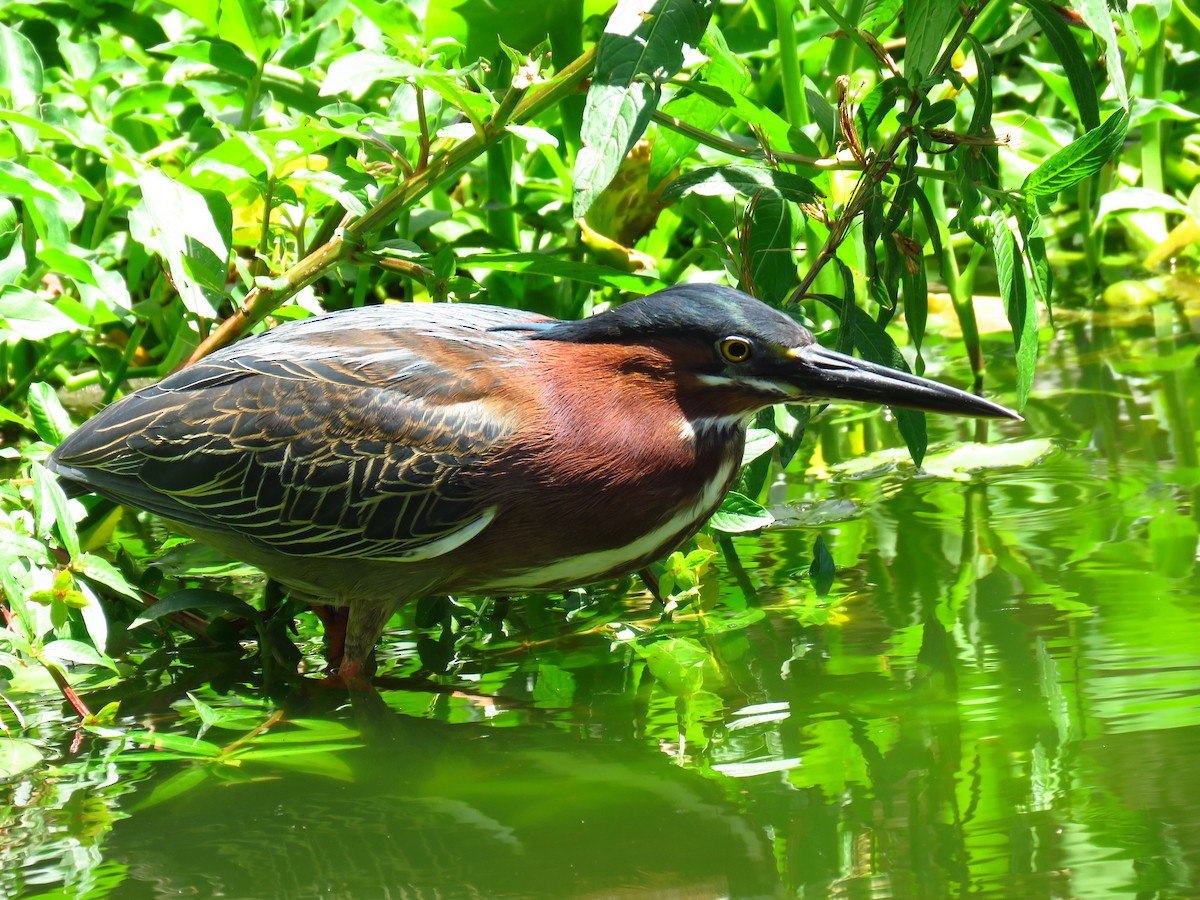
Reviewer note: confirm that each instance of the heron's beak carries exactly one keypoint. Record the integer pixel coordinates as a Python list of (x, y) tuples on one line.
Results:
[(822, 374)]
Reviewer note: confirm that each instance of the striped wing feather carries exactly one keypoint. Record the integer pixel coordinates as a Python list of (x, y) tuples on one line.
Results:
[(332, 441)]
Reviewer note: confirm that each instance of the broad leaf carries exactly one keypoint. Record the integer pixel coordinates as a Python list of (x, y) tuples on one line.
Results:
[(641, 48), (197, 599), (928, 24), (768, 257), (17, 756), (50, 420), (1082, 157), (190, 231), (739, 513), (20, 68)]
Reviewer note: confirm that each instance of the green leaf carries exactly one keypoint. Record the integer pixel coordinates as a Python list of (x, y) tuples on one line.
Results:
[(221, 55), (181, 745), (252, 26), (353, 75), (14, 545), (394, 20), (1142, 199), (1173, 543), (67, 651), (20, 68), (1019, 303), (326, 766), (877, 346), (179, 783), (17, 756), (104, 572), (759, 441), (49, 498), (1079, 75), (642, 46), (964, 461), (1082, 157), (52, 203), (554, 688), (50, 420), (739, 514), (724, 70), (776, 132), (1099, 18), (769, 260), (32, 318), (197, 598), (279, 754), (190, 231), (928, 24), (741, 180), (678, 664), (318, 730)]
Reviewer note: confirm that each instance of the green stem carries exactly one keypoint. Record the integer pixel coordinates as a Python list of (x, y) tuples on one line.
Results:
[(1154, 133), (795, 109), (251, 99), (259, 266), (118, 374)]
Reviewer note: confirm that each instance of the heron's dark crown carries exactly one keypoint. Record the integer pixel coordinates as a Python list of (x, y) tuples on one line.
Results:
[(707, 312)]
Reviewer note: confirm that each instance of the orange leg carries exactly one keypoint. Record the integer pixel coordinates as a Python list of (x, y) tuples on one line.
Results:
[(334, 619)]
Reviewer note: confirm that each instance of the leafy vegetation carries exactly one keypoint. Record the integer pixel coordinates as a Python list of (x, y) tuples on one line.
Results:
[(174, 175)]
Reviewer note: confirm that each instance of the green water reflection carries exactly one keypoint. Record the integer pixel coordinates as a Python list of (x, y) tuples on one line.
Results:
[(1000, 697)]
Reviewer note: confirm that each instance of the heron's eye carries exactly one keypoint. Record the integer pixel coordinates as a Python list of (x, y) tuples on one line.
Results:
[(736, 349)]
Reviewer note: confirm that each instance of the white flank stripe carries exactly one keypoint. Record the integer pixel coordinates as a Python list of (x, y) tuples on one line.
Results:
[(451, 541)]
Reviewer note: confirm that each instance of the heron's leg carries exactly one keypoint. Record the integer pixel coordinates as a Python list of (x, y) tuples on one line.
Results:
[(650, 579), (363, 630), (334, 619)]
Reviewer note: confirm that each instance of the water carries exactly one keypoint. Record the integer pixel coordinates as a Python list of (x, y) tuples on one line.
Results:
[(998, 698)]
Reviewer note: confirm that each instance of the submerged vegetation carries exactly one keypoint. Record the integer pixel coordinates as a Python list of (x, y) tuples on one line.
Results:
[(916, 181)]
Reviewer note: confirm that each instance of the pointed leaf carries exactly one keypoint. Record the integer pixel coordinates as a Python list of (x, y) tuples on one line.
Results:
[(741, 180), (822, 571), (193, 599), (928, 24), (1082, 157), (1019, 304), (1079, 74)]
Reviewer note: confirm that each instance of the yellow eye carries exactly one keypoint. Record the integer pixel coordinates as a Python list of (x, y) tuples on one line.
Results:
[(736, 349)]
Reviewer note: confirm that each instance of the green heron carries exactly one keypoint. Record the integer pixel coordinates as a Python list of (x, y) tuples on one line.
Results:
[(367, 457)]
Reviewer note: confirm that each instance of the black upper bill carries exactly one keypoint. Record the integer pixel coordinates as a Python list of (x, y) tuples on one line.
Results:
[(827, 374)]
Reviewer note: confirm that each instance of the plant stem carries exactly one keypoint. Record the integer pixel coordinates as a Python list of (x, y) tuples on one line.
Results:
[(794, 106)]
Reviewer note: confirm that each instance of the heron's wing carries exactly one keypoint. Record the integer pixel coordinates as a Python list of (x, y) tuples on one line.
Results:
[(351, 439)]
